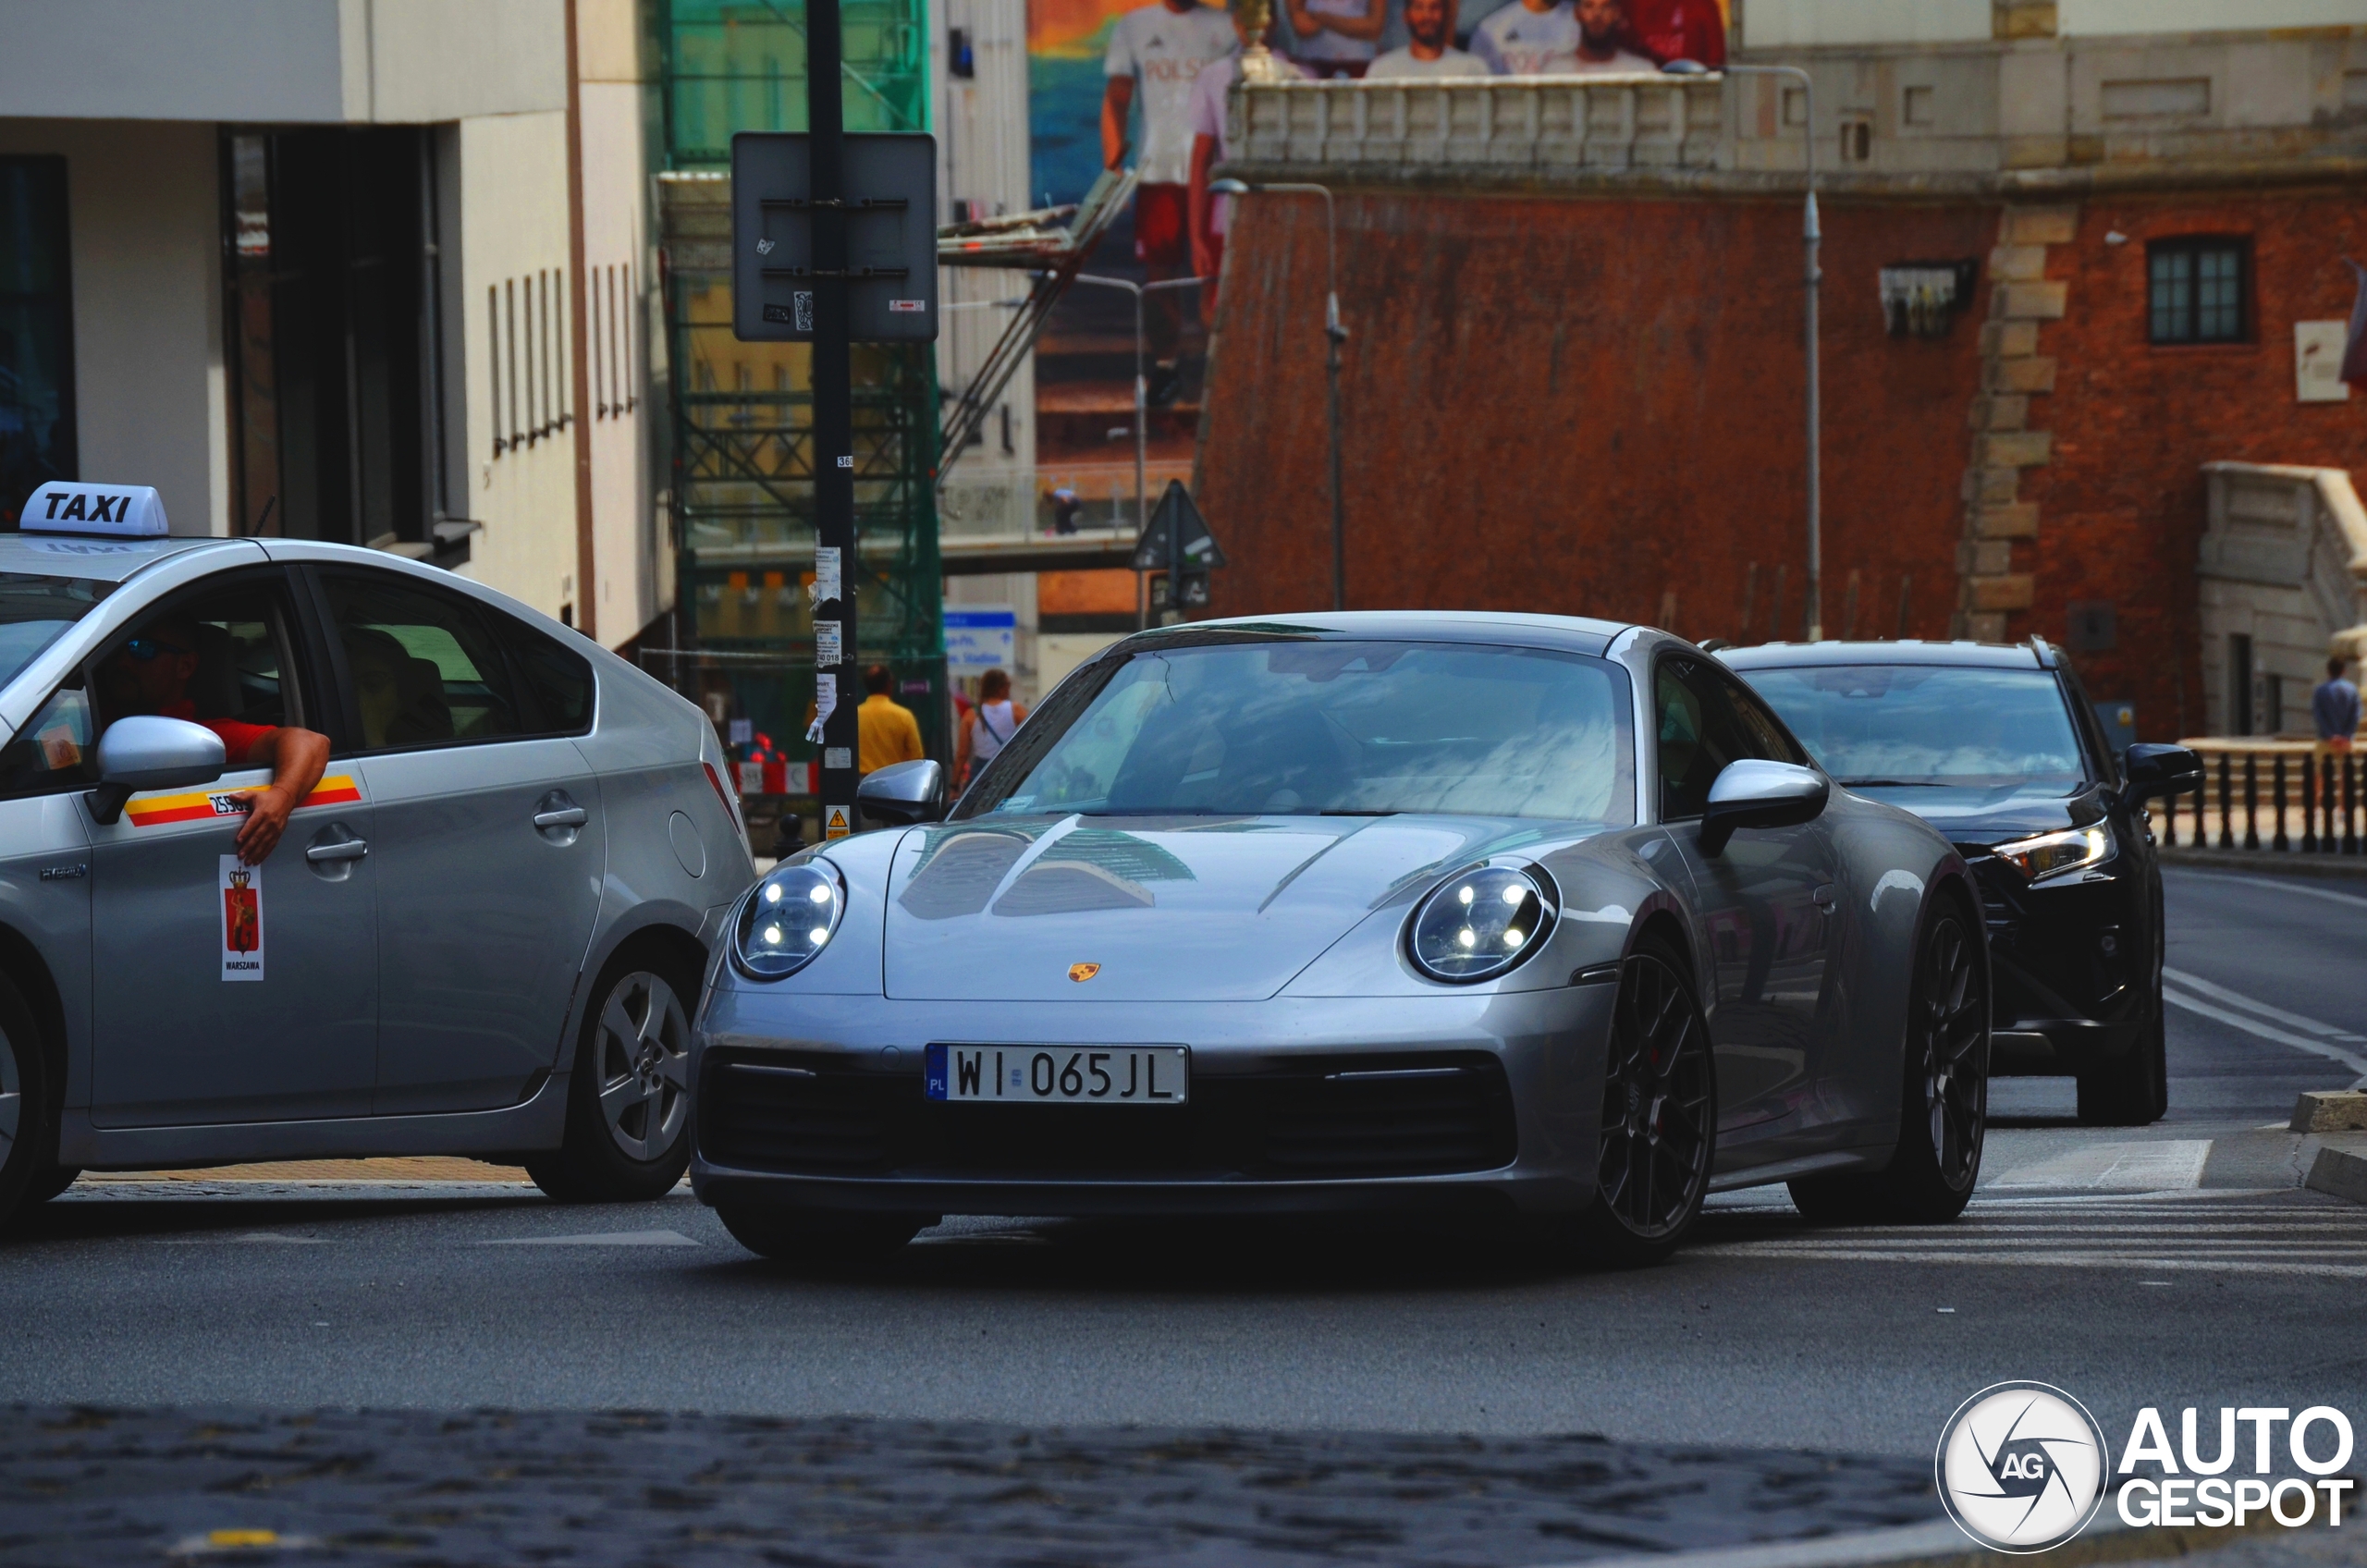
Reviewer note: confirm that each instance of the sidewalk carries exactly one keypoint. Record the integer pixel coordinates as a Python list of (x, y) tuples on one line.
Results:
[(432, 1168)]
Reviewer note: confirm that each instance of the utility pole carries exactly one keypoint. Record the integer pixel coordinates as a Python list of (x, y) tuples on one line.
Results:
[(833, 377)]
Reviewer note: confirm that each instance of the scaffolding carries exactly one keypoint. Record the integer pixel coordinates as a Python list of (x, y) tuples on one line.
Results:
[(741, 463)]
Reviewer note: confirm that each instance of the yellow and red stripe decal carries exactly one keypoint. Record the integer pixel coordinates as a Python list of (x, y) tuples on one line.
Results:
[(154, 811)]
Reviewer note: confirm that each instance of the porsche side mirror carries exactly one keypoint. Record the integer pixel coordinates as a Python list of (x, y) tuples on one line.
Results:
[(148, 753), (1757, 793), (902, 793), (2160, 770)]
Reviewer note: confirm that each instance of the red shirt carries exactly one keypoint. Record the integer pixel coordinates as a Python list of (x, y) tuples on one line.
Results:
[(1681, 30), (238, 738)]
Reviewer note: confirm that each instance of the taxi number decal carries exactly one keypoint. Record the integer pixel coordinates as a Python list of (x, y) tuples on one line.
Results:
[(153, 810)]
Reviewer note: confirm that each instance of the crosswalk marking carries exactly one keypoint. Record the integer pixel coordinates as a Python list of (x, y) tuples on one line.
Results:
[(2146, 1167), (2238, 1234)]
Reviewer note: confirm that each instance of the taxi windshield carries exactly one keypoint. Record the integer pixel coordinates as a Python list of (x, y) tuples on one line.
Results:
[(1297, 727), (35, 611)]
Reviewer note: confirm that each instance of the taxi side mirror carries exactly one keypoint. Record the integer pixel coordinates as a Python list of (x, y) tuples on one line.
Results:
[(148, 753)]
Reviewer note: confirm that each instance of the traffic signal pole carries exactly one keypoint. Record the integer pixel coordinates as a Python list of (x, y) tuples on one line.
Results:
[(833, 380)]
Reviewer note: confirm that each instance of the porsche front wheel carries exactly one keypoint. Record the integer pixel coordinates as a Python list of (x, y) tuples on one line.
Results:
[(1660, 1115)]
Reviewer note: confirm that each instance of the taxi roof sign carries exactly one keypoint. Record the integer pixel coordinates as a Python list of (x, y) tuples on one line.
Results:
[(112, 512)]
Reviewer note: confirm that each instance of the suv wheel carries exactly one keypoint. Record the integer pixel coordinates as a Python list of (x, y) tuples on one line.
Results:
[(2133, 1091), (629, 1101)]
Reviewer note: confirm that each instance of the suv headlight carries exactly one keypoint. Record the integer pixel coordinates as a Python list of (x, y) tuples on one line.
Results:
[(789, 919), (2052, 854), (1480, 923)]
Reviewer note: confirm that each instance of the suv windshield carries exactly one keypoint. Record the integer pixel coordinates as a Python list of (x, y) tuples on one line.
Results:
[(1302, 727), (34, 611), (1936, 724)]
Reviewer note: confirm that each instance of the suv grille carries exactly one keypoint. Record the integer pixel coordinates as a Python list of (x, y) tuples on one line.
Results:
[(805, 1113)]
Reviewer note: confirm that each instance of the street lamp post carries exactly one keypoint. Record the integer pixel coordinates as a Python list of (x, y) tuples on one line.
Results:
[(1812, 238), (1142, 388), (1335, 334)]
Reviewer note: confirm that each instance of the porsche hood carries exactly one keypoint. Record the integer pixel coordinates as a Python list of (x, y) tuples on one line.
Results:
[(1142, 909)]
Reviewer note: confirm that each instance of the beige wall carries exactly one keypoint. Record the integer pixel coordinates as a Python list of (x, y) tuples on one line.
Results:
[(616, 259), (514, 223), (144, 228)]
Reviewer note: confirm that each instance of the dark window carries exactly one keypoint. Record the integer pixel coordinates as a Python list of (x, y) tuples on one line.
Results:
[(557, 680), (1700, 729), (2198, 290), (36, 332), (54, 752), (2239, 684), (227, 652), (423, 668)]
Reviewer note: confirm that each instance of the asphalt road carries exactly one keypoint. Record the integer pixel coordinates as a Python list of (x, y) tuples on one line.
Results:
[(2173, 1264)]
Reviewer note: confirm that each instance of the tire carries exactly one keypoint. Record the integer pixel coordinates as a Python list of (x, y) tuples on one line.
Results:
[(1943, 1099), (2133, 1091), (1660, 1116), (801, 1236), (629, 1101), (27, 1123), (51, 1183)]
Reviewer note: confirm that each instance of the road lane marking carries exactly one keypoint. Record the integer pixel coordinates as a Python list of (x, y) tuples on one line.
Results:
[(2201, 987), (2148, 1166), (2282, 1036), (2303, 889), (599, 1239)]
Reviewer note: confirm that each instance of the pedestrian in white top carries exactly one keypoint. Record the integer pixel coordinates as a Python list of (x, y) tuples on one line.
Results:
[(1155, 55), (1335, 37), (1432, 53), (988, 727), (1525, 37), (1602, 43)]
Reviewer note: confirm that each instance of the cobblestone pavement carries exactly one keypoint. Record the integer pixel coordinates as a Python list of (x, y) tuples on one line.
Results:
[(84, 1487)]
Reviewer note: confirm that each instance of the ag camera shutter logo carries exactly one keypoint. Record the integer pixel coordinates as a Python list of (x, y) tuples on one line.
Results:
[(2021, 1467)]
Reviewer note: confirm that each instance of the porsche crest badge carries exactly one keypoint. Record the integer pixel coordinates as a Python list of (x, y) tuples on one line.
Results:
[(1081, 972)]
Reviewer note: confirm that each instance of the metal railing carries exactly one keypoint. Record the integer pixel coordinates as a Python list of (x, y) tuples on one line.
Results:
[(2280, 797)]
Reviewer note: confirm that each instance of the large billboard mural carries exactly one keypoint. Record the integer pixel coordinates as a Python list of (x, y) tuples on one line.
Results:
[(1067, 43)]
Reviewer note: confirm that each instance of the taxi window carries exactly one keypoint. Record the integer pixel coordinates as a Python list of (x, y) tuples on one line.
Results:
[(54, 751), (424, 671), (35, 611)]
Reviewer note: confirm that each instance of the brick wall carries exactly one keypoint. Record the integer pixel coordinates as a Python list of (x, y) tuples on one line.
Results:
[(1594, 408)]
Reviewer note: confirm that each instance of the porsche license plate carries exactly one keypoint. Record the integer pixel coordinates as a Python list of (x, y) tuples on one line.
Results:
[(1060, 1074)]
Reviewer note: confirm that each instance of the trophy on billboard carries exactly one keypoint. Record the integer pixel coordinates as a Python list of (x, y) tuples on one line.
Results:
[(1258, 63)]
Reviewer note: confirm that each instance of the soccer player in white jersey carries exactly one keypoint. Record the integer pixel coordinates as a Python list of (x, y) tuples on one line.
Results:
[(1432, 53), (1602, 43), (1155, 55), (1527, 36)]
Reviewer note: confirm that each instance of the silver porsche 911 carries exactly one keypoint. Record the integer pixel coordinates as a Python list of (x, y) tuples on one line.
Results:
[(1516, 918)]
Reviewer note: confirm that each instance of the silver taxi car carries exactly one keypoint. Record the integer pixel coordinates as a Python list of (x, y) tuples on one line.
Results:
[(482, 933)]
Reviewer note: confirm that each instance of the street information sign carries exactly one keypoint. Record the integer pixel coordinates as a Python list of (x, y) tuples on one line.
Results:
[(890, 210), (980, 638)]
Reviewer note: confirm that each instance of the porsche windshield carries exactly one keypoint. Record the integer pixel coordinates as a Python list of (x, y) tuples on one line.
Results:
[(1929, 724), (1308, 728), (35, 610)]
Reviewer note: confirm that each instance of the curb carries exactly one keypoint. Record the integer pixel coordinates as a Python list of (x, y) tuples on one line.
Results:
[(2291, 863), (1941, 1545)]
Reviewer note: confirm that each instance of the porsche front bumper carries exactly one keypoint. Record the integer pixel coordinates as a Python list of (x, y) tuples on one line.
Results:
[(1476, 1102)]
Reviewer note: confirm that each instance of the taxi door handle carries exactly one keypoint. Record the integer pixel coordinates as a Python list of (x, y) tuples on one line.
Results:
[(567, 816), (351, 849)]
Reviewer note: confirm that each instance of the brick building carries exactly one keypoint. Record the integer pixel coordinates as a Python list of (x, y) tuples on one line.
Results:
[(1575, 379)]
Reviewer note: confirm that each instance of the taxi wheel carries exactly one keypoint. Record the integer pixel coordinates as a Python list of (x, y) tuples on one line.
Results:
[(629, 1101), (53, 1180), (28, 1136), (819, 1240)]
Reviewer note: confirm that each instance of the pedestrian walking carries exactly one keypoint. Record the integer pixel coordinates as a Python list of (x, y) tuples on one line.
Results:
[(885, 731), (2334, 705), (988, 727)]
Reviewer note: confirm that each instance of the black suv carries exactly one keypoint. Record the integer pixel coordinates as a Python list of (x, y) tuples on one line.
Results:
[(1999, 748)]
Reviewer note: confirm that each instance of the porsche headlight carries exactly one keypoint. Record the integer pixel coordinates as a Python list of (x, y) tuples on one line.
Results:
[(789, 918), (1480, 923), (2052, 854)]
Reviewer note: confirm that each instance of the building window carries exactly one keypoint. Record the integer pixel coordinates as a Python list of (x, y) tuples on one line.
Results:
[(2197, 290), (36, 332)]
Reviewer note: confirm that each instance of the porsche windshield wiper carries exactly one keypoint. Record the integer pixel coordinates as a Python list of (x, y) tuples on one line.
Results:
[(1890, 784), (1349, 813)]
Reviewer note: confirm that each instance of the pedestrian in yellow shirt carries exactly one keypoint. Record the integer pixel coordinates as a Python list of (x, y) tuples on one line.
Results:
[(885, 731)]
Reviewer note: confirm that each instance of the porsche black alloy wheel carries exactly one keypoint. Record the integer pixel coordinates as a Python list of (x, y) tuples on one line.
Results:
[(1659, 1114), (1943, 1108)]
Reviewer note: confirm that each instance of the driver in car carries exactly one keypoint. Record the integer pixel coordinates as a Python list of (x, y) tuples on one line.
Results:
[(151, 674)]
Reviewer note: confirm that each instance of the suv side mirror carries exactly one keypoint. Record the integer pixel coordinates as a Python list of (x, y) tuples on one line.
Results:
[(2160, 770), (144, 752), (1758, 794), (902, 793)]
